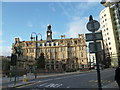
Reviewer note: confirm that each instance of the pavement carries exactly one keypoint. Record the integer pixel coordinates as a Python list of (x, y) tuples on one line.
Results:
[(31, 79), (111, 85)]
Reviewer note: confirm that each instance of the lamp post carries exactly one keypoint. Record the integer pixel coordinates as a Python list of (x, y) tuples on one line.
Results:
[(36, 35), (36, 45), (97, 62)]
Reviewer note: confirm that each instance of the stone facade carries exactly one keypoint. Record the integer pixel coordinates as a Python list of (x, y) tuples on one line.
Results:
[(60, 54)]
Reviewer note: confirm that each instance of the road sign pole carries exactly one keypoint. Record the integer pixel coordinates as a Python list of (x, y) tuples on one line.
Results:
[(93, 26), (97, 62)]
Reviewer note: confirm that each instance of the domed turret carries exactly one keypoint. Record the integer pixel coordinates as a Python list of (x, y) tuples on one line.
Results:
[(49, 27), (49, 33)]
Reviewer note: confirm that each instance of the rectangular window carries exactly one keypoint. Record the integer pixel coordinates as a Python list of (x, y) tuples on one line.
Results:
[(57, 49), (42, 50), (31, 50), (52, 50), (52, 44), (47, 44), (57, 56), (73, 54), (27, 50), (81, 48), (81, 54), (48, 50), (63, 56), (63, 49), (51, 56), (56, 43), (43, 44), (69, 55), (70, 49)]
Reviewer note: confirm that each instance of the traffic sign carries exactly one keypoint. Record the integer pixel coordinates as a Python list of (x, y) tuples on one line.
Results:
[(93, 25), (92, 47), (89, 36)]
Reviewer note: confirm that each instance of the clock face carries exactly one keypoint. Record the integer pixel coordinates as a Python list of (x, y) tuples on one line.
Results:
[(48, 33)]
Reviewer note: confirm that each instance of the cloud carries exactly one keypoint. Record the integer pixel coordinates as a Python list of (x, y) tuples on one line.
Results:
[(84, 6), (79, 9), (76, 15), (65, 10), (76, 26), (5, 51), (2, 41)]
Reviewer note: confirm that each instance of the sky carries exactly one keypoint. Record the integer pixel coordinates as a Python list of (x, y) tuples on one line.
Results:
[(20, 19)]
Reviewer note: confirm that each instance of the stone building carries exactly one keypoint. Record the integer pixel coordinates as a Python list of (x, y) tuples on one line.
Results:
[(60, 54)]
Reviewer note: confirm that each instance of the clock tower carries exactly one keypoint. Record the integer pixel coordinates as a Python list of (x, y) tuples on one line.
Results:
[(49, 33)]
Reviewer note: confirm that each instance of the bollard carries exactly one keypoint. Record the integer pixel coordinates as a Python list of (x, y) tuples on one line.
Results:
[(24, 78)]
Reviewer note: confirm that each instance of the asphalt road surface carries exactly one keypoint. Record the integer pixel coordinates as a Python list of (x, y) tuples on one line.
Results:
[(81, 80)]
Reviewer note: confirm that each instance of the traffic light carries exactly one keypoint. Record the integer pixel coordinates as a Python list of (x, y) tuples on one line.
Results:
[(13, 59)]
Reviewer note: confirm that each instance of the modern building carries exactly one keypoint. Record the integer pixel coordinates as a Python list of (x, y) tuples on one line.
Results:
[(91, 59), (60, 54), (110, 24)]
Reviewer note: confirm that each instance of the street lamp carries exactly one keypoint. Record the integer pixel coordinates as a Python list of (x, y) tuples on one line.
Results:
[(36, 36), (36, 39)]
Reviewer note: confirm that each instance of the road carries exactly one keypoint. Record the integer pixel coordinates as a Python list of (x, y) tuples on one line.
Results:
[(80, 80)]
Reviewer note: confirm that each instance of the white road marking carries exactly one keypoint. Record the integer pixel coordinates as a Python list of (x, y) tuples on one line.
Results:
[(42, 84), (53, 85), (59, 85), (50, 85)]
